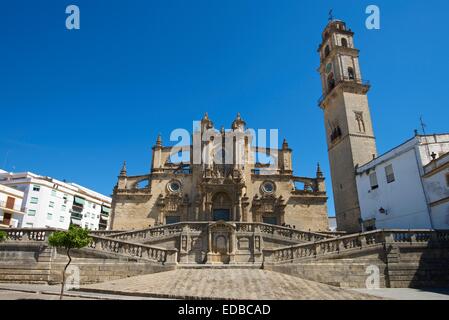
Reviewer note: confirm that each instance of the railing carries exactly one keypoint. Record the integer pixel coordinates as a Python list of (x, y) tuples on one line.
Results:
[(4, 204), (27, 235), (365, 83), (159, 231), (291, 234), (351, 242), (134, 250), (102, 233), (102, 244), (176, 229), (76, 215)]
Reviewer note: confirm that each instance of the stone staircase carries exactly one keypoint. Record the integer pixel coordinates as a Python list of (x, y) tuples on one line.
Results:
[(404, 257)]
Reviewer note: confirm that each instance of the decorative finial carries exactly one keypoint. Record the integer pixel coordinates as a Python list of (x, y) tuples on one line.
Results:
[(285, 144), (319, 173), (222, 130), (238, 122), (206, 116), (159, 140), (123, 171)]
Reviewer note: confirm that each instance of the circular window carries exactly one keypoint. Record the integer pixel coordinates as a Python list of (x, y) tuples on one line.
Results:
[(174, 186), (268, 187)]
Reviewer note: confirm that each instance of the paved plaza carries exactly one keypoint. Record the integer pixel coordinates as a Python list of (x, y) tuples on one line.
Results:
[(252, 284), (214, 284), (408, 293)]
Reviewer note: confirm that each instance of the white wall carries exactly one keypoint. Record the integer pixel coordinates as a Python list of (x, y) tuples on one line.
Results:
[(404, 199), (437, 190)]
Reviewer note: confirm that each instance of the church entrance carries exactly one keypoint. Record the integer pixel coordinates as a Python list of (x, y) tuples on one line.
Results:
[(222, 214), (221, 207), (221, 243)]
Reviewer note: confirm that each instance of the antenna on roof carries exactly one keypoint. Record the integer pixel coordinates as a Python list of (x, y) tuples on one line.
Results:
[(423, 127)]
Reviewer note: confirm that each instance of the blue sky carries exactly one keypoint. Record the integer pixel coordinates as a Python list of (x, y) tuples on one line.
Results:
[(75, 104)]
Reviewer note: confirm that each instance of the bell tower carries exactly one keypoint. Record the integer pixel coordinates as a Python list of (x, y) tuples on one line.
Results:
[(347, 119)]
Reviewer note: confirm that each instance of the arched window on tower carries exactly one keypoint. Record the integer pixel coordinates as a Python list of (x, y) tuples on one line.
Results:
[(335, 132), (326, 51), (360, 121), (344, 42), (330, 82), (351, 73)]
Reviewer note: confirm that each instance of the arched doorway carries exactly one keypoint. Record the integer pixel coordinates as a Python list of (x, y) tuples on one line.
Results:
[(221, 207)]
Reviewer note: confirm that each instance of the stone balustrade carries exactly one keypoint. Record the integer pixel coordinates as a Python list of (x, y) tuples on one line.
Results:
[(241, 227), (28, 235), (283, 232), (104, 233), (158, 231), (134, 250), (351, 242)]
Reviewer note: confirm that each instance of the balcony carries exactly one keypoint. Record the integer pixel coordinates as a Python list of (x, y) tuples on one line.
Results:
[(346, 80), (77, 208), (11, 209), (102, 225), (76, 215)]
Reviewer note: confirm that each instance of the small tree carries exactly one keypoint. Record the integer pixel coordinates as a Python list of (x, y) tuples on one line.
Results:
[(3, 236), (74, 238)]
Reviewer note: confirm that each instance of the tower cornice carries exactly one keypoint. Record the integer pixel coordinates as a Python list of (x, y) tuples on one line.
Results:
[(347, 85)]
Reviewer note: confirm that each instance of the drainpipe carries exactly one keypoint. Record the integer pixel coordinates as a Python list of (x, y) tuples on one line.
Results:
[(424, 190)]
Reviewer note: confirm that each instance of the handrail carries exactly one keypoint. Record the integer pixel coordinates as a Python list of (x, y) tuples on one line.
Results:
[(354, 241), (177, 228), (26, 234), (134, 250)]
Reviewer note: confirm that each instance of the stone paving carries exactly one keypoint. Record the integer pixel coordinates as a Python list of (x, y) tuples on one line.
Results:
[(247, 284), (408, 293), (20, 295), (19, 291)]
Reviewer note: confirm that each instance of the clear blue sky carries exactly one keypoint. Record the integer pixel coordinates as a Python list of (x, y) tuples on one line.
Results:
[(75, 104)]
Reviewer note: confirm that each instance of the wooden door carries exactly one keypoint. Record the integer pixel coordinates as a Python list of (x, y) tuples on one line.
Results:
[(6, 218), (10, 202)]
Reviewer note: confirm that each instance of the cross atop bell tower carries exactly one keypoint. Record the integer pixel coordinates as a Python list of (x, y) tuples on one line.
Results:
[(347, 119)]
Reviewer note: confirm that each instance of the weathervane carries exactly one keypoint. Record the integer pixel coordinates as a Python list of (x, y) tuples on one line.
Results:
[(331, 15)]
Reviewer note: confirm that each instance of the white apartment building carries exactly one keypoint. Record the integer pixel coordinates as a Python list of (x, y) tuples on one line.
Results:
[(405, 187), (11, 212), (50, 203)]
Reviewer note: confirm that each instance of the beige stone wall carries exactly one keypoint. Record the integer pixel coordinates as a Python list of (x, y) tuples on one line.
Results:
[(353, 148), (135, 208)]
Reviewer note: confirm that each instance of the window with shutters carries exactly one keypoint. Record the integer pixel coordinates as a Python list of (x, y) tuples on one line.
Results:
[(389, 173), (373, 181)]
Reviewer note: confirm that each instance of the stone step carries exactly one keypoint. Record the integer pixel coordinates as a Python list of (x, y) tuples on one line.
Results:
[(218, 266), (248, 284)]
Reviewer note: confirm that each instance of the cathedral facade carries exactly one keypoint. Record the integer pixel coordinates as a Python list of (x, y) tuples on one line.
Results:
[(219, 178)]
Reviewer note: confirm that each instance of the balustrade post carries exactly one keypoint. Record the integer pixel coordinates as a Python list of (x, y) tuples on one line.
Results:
[(341, 245), (362, 238), (388, 237), (171, 257)]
